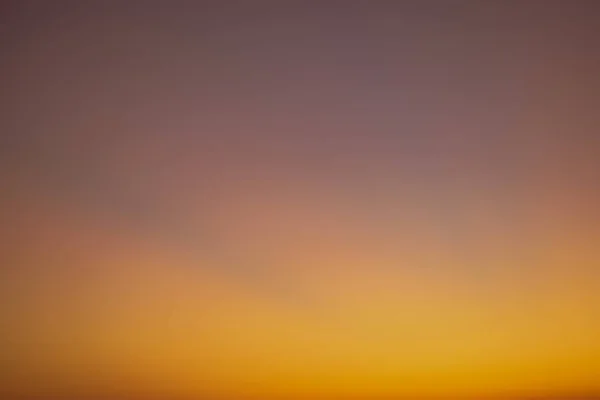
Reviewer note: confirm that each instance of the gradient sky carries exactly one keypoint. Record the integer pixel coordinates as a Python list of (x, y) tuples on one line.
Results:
[(325, 198)]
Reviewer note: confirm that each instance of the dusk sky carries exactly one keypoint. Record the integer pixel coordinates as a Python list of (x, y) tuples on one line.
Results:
[(276, 199)]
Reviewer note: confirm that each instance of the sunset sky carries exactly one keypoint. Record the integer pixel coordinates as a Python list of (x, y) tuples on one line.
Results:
[(300, 199)]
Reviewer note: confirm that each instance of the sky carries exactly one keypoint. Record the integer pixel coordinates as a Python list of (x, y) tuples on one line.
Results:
[(303, 199)]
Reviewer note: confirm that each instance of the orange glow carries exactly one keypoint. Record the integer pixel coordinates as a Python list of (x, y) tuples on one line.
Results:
[(379, 200), (373, 329)]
